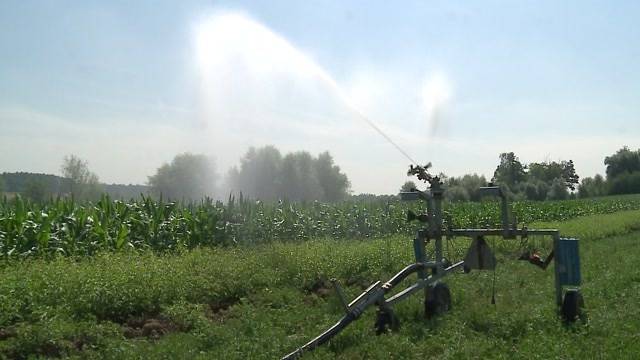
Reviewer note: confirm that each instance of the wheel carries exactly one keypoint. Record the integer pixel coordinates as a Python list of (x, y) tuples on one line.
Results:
[(438, 300), (572, 305), (386, 320)]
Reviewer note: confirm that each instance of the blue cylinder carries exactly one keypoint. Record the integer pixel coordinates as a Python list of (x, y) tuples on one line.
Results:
[(568, 262)]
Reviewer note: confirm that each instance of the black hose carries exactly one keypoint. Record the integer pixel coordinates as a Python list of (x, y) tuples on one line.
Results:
[(322, 338), (353, 314)]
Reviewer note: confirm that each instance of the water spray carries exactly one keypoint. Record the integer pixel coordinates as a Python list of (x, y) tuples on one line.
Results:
[(226, 37)]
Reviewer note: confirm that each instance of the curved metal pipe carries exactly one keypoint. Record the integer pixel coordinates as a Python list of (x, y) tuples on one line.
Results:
[(322, 338), (373, 295), (397, 278)]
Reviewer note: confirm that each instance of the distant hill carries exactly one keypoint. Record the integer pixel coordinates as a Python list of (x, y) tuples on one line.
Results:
[(58, 186), (17, 182)]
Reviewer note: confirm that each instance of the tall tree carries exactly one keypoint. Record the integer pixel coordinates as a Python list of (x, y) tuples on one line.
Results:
[(625, 183), (265, 174), (571, 179), (408, 186), (259, 172), (299, 178), (464, 188), (335, 185), (547, 172), (188, 177), (590, 187), (557, 190), (623, 161), (83, 184), (510, 171), (36, 190)]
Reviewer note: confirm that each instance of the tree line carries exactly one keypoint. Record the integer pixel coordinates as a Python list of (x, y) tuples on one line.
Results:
[(622, 176), (267, 174), (77, 181), (548, 180), (263, 173)]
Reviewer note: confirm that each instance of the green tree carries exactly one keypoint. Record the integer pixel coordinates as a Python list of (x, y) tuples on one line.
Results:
[(569, 175), (625, 183), (549, 171), (623, 161), (83, 184), (558, 190), (529, 189), (188, 177), (408, 186), (259, 173), (472, 184), (335, 185), (457, 193), (510, 171), (299, 178), (265, 174), (591, 187), (36, 190), (464, 188)]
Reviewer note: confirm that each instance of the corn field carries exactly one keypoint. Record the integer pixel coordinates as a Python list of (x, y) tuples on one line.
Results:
[(64, 227)]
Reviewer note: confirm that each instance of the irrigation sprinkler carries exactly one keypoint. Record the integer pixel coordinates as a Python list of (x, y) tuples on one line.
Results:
[(431, 271)]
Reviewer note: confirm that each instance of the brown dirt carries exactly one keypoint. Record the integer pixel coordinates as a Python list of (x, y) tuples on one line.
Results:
[(224, 304), (321, 288), (152, 328), (218, 311), (50, 350), (6, 333), (359, 282)]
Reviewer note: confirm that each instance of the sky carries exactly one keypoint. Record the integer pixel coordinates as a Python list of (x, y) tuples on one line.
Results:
[(127, 85)]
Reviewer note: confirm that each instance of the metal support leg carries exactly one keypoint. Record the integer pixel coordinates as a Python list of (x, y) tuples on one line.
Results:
[(420, 254), (556, 269)]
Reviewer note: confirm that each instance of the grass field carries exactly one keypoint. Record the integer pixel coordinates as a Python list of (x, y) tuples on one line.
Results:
[(264, 301)]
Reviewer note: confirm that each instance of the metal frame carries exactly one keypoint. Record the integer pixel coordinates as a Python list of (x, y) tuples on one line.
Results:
[(430, 272)]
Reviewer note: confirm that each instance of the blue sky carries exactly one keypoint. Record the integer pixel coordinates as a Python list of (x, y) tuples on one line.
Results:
[(126, 86)]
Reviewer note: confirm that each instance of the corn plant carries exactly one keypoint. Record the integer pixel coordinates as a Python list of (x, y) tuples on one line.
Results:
[(68, 228)]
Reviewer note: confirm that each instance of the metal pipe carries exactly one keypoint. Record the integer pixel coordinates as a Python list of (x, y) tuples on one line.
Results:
[(372, 295), (421, 284), (322, 338), (499, 232), (437, 191), (556, 270), (365, 296), (341, 295), (404, 273)]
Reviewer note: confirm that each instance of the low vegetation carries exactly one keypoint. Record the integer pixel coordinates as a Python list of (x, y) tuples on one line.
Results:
[(263, 301)]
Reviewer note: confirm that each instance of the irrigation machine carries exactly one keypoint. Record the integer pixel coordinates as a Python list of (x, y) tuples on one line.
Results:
[(432, 269)]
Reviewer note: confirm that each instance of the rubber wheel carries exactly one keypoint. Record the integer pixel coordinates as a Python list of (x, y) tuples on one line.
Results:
[(438, 300), (386, 320), (572, 305)]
